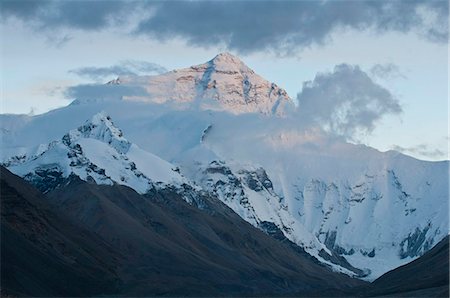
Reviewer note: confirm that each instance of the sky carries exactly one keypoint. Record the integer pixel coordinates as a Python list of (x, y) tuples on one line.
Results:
[(375, 72)]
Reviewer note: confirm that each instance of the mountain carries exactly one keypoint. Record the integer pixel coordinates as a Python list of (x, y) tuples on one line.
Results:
[(97, 152), (224, 82), (127, 244), (377, 214), (355, 209)]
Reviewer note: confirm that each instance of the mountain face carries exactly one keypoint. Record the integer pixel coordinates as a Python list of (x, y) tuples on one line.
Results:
[(224, 82), (372, 222), (355, 209), (93, 240)]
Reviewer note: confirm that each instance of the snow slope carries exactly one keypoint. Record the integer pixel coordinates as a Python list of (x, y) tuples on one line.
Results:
[(361, 211)]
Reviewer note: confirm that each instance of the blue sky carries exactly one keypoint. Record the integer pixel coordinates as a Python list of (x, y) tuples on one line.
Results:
[(402, 46)]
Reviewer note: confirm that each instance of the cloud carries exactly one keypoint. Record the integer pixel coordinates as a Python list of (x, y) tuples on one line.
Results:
[(58, 41), (144, 66), (77, 14), (345, 102), (386, 71), (129, 67), (102, 92), (243, 26), (248, 26), (423, 150)]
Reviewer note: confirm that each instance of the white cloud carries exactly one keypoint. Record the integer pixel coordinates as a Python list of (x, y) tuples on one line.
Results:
[(345, 102)]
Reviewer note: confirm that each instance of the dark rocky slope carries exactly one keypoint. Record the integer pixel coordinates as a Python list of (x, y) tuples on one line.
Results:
[(110, 240), (43, 254)]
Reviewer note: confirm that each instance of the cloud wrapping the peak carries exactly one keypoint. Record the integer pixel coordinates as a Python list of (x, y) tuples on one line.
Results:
[(124, 68), (243, 26), (345, 102)]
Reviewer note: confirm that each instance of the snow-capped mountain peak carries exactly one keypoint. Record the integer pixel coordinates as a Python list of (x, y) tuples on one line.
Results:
[(223, 83), (98, 152), (226, 62), (101, 128)]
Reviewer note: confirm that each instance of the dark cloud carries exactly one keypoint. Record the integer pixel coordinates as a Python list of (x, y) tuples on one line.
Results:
[(386, 71), (283, 25), (345, 102), (244, 26), (129, 67), (84, 15), (422, 149), (23, 9)]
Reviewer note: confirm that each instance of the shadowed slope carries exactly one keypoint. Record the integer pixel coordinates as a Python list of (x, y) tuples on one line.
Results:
[(42, 254), (174, 248), (143, 246)]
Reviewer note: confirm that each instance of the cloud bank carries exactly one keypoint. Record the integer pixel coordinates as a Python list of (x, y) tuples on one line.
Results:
[(248, 26), (243, 26)]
